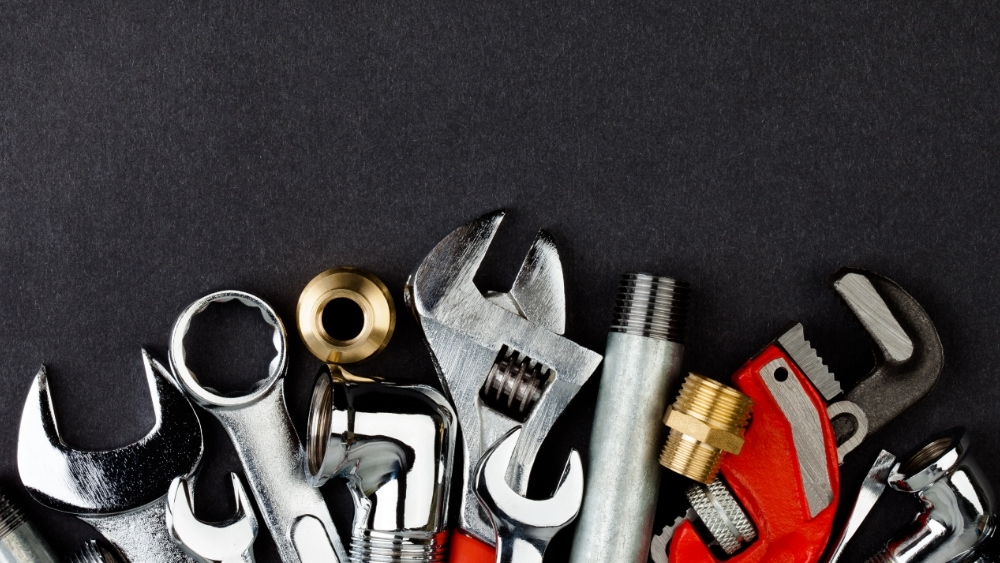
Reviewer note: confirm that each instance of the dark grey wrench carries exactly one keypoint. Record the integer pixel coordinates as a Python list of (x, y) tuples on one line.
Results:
[(121, 492)]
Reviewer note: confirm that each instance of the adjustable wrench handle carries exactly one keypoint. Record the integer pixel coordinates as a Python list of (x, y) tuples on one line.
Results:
[(274, 462), (467, 549), (767, 480), (141, 534)]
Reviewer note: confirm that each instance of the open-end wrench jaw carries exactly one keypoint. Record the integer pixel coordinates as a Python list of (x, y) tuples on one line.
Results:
[(111, 481), (470, 334), (224, 542), (909, 354)]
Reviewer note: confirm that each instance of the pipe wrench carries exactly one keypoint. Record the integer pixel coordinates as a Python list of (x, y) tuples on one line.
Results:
[(776, 501), (501, 358)]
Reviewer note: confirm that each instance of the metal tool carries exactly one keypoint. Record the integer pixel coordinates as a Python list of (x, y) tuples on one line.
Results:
[(266, 442), (394, 444), (225, 542), (500, 357), (92, 552), (791, 499), (871, 489), (525, 527), (707, 421), (959, 508), (643, 358), (20, 540), (121, 492)]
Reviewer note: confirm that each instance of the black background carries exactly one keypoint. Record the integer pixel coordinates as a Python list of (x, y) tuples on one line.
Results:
[(153, 152)]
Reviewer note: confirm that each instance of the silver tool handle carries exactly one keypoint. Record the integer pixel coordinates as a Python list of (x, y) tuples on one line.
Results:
[(141, 535)]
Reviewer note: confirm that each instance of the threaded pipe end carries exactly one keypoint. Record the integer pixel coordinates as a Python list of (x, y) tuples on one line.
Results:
[(401, 547), (11, 517), (651, 306), (707, 420)]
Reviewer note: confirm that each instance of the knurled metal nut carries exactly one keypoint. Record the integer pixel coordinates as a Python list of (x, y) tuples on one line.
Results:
[(684, 423)]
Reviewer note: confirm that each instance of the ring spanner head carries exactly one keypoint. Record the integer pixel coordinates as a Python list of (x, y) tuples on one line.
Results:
[(526, 526), (909, 355), (500, 356), (226, 542), (107, 482)]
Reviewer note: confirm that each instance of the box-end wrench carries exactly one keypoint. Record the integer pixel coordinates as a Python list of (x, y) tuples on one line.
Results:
[(225, 542), (265, 439), (501, 358), (791, 499), (524, 527), (121, 492)]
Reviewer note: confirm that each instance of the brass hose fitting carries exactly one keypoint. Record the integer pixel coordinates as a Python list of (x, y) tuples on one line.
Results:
[(364, 290), (707, 420)]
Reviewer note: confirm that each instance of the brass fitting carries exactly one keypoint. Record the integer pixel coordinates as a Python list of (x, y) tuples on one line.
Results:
[(707, 420), (364, 290)]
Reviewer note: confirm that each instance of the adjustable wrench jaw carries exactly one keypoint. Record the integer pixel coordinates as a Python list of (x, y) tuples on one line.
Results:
[(467, 334)]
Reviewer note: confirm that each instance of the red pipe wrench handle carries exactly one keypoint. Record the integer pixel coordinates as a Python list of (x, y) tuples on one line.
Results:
[(765, 477), (464, 548)]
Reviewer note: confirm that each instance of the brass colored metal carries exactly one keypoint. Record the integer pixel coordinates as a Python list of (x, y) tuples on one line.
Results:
[(707, 420), (364, 289)]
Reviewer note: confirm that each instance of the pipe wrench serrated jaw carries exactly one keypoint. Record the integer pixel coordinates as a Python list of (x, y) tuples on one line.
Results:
[(104, 482), (500, 356)]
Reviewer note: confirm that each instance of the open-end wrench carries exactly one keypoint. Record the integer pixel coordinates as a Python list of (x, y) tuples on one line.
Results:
[(225, 542), (121, 492), (525, 527), (265, 439), (790, 500), (500, 357)]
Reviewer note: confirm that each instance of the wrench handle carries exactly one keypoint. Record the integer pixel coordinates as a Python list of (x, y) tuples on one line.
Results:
[(467, 549)]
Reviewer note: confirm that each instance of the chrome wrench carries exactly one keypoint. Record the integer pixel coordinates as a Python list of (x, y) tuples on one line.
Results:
[(266, 442), (226, 542)]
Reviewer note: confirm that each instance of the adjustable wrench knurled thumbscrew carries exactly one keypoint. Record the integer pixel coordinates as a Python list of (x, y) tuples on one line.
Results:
[(791, 500), (525, 527), (266, 441), (500, 357), (121, 492), (226, 542)]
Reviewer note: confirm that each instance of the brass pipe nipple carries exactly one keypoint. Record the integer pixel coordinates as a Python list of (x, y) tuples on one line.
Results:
[(707, 420)]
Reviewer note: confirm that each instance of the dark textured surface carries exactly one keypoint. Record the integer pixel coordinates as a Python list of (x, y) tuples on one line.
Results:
[(152, 152)]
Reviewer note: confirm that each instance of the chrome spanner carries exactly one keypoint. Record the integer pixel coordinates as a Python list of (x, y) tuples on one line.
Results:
[(121, 492), (226, 542), (266, 442), (525, 527)]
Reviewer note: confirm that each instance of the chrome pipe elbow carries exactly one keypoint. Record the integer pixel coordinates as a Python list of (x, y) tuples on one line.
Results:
[(394, 445), (958, 513)]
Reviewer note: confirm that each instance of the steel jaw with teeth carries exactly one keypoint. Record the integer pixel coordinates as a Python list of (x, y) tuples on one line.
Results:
[(120, 492), (791, 499), (500, 356)]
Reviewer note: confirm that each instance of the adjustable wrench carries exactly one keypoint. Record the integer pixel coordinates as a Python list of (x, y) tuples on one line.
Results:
[(525, 527), (790, 500), (500, 358), (228, 542), (265, 439), (122, 492)]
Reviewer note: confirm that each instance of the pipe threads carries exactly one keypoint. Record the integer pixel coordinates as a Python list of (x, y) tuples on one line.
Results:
[(11, 517), (651, 306), (379, 547), (706, 421)]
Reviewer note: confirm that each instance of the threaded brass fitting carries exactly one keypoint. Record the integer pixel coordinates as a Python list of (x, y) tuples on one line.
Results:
[(707, 420)]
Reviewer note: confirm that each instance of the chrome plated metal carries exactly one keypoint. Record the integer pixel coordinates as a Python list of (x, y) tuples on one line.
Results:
[(395, 446), (525, 527), (959, 507), (641, 369), (266, 442), (468, 333), (871, 489), (225, 542), (121, 492), (92, 552), (717, 508), (807, 433), (20, 541)]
